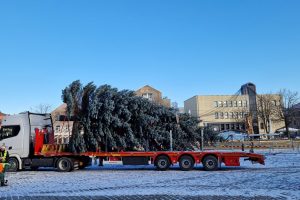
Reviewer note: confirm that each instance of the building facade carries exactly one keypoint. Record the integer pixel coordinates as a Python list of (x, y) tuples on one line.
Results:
[(62, 127), (230, 112), (296, 121), (220, 112), (153, 95), (1, 117)]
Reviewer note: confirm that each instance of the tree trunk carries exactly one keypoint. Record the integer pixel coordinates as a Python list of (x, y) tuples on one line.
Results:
[(287, 127)]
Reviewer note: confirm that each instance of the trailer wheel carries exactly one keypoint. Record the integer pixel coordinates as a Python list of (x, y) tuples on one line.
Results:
[(186, 163), (210, 163), (162, 163), (14, 164), (65, 165)]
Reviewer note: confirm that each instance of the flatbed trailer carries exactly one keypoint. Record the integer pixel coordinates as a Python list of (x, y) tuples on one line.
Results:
[(65, 161), (29, 138)]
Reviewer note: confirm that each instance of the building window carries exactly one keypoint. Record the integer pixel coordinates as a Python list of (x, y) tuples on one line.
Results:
[(220, 103), (240, 103), (226, 115), (241, 115), (227, 127), (231, 115), (262, 126), (274, 102), (236, 115), (57, 128), (222, 127), (222, 115), (235, 104), (148, 96), (216, 104), (243, 127), (216, 115), (225, 104), (245, 103), (229, 103), (232, 126)]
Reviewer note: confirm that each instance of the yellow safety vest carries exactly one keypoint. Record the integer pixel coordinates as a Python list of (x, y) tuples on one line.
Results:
[(3, 155)]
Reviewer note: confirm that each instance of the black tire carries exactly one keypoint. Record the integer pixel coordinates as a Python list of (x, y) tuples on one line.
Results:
[(162, 163), (210, 163), (186, 163), (65, 165), (85, 162), (14, 164)]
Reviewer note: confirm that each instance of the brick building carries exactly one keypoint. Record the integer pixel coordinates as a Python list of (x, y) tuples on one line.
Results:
[(153, 95), (1, 117), (62, 127)]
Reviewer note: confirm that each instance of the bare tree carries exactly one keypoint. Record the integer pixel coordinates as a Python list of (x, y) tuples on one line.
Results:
[(41, 108), (286, 110), (240, 115), (266, 108)]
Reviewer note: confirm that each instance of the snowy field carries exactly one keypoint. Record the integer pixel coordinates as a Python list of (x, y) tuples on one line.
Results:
[(278, 179)]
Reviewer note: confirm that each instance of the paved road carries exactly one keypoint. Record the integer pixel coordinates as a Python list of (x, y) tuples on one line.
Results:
[(143, 197), (279, 179)]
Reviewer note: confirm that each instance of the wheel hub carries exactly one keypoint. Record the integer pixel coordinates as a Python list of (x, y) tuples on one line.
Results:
[(162, 163), (186, 163)]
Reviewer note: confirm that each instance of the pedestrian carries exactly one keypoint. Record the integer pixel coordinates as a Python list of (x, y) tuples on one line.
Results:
[(3, 162)]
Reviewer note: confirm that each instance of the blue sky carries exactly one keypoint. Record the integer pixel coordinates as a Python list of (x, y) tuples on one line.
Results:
[(182, 48)]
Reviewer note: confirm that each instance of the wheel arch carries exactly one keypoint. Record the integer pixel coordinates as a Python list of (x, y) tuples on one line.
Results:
[(16, 156), (210, 154), (162, 154)]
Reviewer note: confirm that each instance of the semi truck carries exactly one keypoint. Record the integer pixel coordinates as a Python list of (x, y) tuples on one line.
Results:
[(29, 138)]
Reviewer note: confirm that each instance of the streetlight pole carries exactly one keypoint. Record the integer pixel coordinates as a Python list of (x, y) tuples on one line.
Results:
[(202, 139)]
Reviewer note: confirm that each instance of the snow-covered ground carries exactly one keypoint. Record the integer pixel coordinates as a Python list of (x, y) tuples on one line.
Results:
[(279, 178)]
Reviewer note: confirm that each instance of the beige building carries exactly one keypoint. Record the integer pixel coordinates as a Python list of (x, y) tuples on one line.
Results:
[(296, 121), (225, 112), (153, 95), (62, 127)]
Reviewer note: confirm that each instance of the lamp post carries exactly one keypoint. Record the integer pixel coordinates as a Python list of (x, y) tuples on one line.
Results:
[(202, 139)]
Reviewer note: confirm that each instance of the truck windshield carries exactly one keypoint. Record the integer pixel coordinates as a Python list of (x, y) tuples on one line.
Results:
[(9, 131)]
